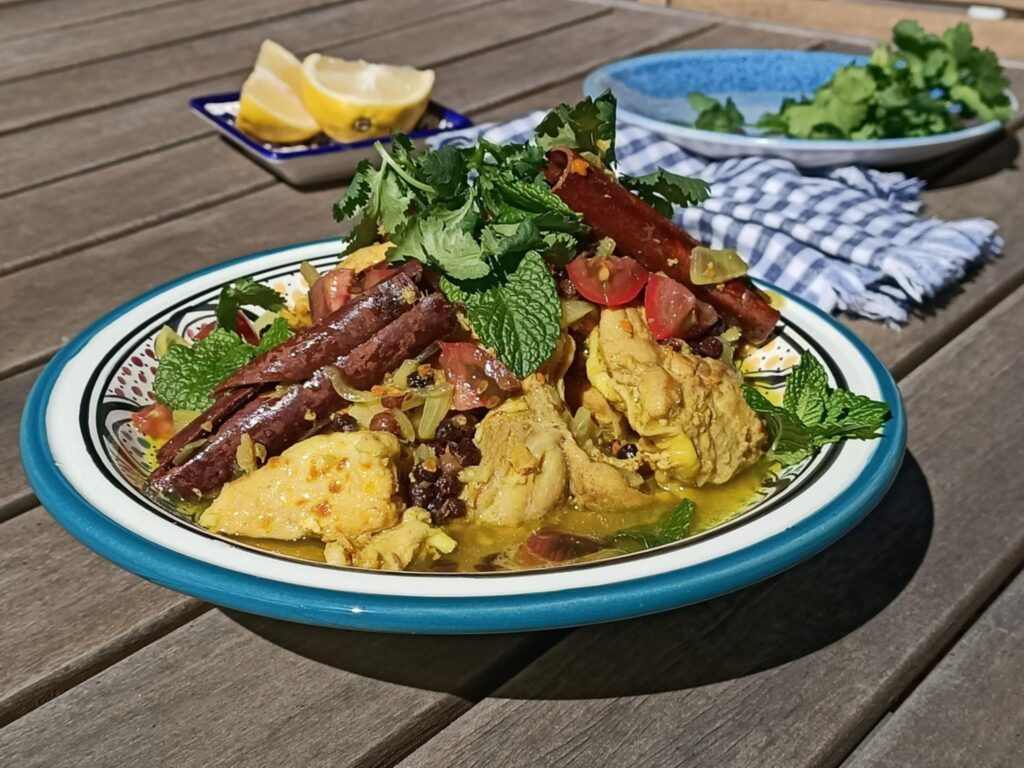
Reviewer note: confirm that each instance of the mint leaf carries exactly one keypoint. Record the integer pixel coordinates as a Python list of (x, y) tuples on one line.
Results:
[(663, 189), (848, 415), (807, 390), (790, 440), (277, 332), (673, 526), (589, 126), (244, 292), (187, 375), (515, 312)]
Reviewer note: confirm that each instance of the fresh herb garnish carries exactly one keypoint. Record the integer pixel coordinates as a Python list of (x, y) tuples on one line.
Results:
[(673, 526), (713, 115), (240, 293), (663, 189), (187, 374), (813, 414), (485, 218), (919, 85)]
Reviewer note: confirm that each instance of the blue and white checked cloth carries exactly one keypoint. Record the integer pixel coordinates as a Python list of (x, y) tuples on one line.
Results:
[(847, 239)]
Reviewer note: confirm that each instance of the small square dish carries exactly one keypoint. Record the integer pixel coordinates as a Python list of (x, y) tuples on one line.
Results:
[(322, 159)]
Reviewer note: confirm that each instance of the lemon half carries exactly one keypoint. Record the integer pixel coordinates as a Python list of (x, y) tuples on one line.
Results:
[(354, 100)]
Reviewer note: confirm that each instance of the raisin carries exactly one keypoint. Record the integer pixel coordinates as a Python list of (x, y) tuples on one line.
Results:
[(450, 463), (420, 494), (466, 451), (627, 451), (425, 473), (417, 380), (448, 432), (344, 422), (566, 289), (386, 422), (709, 346), (449, 509), (447, 487), (392, 401)]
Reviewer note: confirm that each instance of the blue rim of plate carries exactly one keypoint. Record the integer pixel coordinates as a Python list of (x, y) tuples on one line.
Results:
[(677, 130), (450, 615), (457, 120)]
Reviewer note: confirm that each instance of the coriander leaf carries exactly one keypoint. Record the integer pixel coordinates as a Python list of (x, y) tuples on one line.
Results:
[(187, 375), (445, 170), (663, 188), (806, 390), (434, 242), (365, 233), (589, 126), (394, 200), (673, 526), (712, 115), (242, 292), (516, 312), (358, 193), (506, 239), (559, 248)]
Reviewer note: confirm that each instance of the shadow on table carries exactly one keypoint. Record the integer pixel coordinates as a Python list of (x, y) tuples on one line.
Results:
[(782, 619), (994, 155)]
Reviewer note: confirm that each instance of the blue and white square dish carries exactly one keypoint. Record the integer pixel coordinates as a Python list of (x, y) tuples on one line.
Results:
[(323, 159)]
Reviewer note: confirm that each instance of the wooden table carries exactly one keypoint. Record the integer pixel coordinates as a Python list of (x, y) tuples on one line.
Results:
[(899, 646)]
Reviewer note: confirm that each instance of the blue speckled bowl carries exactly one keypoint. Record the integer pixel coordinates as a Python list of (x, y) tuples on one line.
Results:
[(652, 90)]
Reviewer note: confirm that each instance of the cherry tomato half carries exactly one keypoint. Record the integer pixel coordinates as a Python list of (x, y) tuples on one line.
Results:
[(668, 305), (330, 292), (607, 280), (477, 377), (242, 325), (154, 421)]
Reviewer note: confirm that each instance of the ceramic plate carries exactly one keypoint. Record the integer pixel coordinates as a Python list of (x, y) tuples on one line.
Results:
[(651, 91), (87, 466), (320, 160)]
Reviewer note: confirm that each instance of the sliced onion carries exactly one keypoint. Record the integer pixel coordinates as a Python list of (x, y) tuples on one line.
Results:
[(404, 424), (364, 412), (245, 454), (575, 309), (264, 321), (581, 424), (435, 408), (309, 273), (188, 451), (344, 390), (165, 337)]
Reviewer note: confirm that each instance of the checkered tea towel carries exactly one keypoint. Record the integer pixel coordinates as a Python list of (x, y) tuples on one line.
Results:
[(844, 239)]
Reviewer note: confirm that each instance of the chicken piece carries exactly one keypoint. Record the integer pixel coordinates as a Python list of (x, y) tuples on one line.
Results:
[(328, 487), (522, 474), (394, 548), (530, 464), (695, 425), (611, 425), (593, 483)]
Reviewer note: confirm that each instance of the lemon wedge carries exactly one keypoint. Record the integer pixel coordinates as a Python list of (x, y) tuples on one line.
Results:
[(270, 111), (281, 63), (270, 106), (354, 100)]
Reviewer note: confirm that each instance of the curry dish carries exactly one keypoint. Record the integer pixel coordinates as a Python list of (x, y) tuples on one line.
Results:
[(519, 361)]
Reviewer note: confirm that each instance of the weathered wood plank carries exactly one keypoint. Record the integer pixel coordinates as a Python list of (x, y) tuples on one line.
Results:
[(46, 222), (20, 18), (92, 140), (33, 54), (225, 689), (101, 84), (124, 197), (967, 710), (547, 59), (15, 495), (795, 671), (68, 612)]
